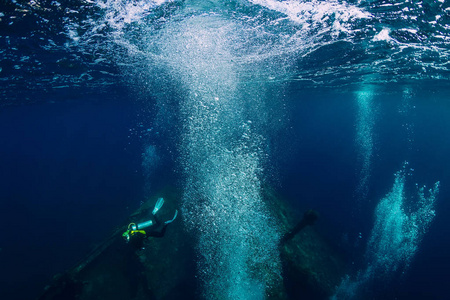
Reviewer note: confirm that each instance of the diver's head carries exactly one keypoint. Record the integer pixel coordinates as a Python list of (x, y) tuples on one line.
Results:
[(126, 236)]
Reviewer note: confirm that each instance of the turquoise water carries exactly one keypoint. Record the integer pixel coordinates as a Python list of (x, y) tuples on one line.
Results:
[(341, 105)]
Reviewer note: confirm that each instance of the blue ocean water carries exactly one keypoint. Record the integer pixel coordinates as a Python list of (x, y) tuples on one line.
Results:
[(340, 105), (68, 176)]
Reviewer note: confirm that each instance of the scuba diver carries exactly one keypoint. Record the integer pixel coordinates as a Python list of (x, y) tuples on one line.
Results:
[(135, 234)]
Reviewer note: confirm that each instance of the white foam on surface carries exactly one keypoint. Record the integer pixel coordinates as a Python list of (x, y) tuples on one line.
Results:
[(311, 14)]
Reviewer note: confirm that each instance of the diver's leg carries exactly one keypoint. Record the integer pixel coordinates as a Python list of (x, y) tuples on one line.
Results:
[(158, 233), (157, 220), (162, 231)]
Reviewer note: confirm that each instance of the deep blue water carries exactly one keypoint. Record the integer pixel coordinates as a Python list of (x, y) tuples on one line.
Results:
[(323, 176), (105, 102), (69, 175)]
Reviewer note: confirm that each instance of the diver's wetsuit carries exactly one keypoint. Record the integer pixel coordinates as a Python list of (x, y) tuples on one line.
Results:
[(138, 238), (157, 233)]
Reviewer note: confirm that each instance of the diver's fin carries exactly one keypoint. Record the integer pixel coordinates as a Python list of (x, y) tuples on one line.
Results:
[(158, 205), (173, 219)]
